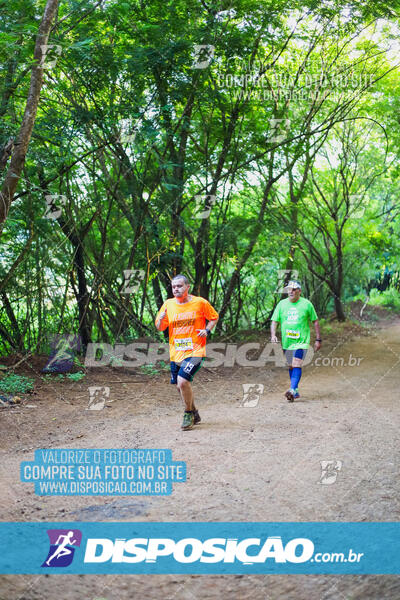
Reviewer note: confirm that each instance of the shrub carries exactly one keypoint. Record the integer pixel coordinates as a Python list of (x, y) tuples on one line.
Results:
[(390, 298), (16, 384)]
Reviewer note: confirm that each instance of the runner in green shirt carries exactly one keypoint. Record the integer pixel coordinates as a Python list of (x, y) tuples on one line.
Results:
[(295, 315)]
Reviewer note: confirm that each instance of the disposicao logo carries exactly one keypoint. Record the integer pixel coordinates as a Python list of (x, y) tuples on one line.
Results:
[(190, 550), (62, 547)]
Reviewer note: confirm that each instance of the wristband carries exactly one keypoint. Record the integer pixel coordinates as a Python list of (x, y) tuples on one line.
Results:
[(318, 340), (208, 331)]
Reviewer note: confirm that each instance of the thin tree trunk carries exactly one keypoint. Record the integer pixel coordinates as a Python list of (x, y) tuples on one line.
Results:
[(39, 297), (13, 320), (21, 147)]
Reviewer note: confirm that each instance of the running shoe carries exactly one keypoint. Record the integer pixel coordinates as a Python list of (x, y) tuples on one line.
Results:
[(290, 394), (296, 394), (197, 417), (188, 420)]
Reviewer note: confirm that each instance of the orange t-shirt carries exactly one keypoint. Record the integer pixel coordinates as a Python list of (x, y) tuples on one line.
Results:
[(183, 320)]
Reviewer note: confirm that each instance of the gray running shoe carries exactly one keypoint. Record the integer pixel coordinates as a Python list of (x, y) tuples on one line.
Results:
[(188, 420)]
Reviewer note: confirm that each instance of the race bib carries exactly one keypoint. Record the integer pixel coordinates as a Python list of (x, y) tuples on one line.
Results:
[(183, 344), (292, 334)]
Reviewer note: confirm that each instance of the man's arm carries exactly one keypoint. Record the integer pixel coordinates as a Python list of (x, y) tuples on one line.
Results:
[(273, 331), (210, 325), (162, 321), (318, 340)]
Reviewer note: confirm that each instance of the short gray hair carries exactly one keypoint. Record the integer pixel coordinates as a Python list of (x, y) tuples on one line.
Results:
[(185, 279)]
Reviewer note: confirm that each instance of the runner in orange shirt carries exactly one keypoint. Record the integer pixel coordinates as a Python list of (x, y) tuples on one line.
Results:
[(186, 317)]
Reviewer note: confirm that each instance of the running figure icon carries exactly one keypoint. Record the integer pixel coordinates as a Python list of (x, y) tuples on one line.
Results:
[(62, 549)]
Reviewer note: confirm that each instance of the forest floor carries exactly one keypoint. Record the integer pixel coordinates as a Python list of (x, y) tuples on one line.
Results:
[(244, 463)]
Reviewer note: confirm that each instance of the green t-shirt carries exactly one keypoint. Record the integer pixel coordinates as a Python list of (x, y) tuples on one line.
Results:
[(295, 318)]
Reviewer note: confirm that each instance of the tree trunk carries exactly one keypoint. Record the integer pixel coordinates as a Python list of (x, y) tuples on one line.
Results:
[(21, 147), (19, 338), (339, 307), (83, 297), (338, 287)]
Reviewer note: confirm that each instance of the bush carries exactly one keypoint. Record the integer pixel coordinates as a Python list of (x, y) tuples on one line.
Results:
[(16, 384), (390, 298), (325, 326)]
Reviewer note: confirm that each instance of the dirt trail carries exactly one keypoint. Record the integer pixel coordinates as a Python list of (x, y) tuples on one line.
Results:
[(243, 464)]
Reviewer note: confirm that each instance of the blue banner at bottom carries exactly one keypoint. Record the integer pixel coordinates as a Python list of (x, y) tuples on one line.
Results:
[(203, 548)]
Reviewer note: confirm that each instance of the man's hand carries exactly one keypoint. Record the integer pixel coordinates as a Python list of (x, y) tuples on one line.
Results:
[(160, 319), (318, 339), (210, 326), (274, 325), (202, 332)]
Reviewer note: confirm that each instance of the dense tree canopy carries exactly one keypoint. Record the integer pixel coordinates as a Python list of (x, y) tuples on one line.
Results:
[(238, 143)]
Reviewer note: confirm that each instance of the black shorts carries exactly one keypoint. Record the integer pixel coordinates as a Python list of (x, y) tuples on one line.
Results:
[(186, 369)]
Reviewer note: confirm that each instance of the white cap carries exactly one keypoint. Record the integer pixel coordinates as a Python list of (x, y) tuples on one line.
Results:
[(293, 284)]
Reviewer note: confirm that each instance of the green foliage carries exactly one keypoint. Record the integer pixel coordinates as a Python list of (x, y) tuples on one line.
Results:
[(61, 377), (326, 326), (16, 384), (389, 298), (76, 376), (53, 377), (151, 369), (131, 135)]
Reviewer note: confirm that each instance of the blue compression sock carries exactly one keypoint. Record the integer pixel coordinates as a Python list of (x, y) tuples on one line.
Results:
[(295, 377)]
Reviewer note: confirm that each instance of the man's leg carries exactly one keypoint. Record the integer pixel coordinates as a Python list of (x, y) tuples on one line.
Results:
[(197, 418), (186, 392), (187, 370), (289, 359), (191, 416), (295, 375)]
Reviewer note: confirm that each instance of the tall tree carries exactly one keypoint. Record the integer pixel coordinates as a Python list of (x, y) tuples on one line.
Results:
[(20, 149)]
